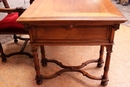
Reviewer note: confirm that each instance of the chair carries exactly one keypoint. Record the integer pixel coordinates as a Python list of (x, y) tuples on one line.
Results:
[(8, 25)]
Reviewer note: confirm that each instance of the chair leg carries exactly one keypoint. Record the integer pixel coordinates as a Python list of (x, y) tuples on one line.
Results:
[(21, 52), (19, 37), (22, 49), (3, 56), (15, 38)]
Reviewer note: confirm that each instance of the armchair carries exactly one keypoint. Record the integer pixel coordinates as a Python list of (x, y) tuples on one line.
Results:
[(8, 25)]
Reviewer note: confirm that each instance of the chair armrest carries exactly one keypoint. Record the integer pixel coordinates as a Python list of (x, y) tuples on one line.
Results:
[(20, 10), (7, 10)]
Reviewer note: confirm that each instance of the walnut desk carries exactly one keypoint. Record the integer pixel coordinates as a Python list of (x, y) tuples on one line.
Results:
[(72, 22)]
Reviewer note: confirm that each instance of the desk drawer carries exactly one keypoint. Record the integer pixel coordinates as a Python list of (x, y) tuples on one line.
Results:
[(87, 34)]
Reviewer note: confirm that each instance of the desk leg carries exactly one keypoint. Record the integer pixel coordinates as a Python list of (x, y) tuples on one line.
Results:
[(100, 60), (44, 60), (106, 67), (39, 78)]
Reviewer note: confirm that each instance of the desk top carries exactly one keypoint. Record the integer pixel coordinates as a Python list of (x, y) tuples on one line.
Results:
[(59, 10)]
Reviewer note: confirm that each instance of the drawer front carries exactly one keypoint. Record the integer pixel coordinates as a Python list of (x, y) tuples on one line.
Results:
[(77, 34)]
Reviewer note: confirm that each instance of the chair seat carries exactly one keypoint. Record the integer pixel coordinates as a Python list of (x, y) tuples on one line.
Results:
[(8, 25)]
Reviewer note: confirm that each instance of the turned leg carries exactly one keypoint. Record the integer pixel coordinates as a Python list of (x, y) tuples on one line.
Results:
[(39, 78), (100, 60), (2, 53), (44, 60), (106, 67)]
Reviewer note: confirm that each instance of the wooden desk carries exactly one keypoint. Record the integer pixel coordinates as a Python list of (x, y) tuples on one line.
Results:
[(72, 22)]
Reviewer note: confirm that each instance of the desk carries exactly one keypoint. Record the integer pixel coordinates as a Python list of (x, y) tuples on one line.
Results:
[(72, 22)]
